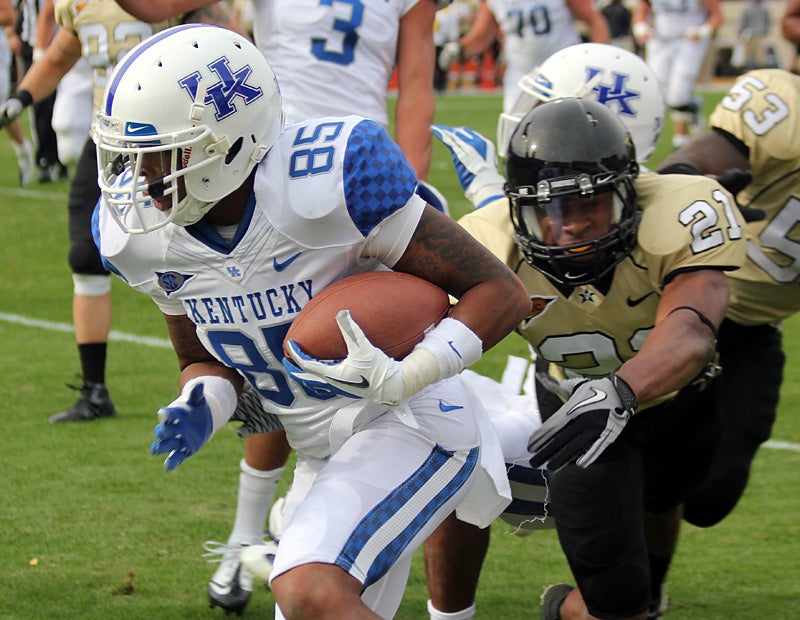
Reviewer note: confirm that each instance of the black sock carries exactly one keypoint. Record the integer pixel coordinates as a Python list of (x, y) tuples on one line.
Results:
[(659, 566), (93, 362)]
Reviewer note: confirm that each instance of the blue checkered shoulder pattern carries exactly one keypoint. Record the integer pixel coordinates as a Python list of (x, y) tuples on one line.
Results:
[(378, 180)]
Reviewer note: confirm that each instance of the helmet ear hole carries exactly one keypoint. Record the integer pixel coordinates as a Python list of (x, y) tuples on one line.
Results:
[(234, 150)]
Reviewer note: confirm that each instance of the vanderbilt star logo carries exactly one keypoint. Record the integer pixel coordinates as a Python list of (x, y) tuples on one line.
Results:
[(586, 296), (632, 303)]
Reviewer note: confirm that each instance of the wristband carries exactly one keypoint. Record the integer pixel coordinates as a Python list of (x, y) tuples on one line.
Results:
[(705, 31), (454, 345), (641, 29), (220, 396), (445, 351), (25, 98)]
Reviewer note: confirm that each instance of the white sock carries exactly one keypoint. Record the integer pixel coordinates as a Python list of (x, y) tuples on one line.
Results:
[(21, 148), (464, 614), (256, 494)]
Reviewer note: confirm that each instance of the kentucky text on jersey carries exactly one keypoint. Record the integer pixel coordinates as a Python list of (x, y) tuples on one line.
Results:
[(276, 302)]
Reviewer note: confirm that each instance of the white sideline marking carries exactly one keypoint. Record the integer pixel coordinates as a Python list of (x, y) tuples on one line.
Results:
[(163, 343), (32, 193)]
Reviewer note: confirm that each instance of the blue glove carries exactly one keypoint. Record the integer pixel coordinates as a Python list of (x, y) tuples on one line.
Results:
[(475, 161), (185, 425)]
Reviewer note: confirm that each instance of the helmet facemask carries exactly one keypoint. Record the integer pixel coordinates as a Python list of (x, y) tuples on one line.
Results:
[(539, 216), (144, 177)]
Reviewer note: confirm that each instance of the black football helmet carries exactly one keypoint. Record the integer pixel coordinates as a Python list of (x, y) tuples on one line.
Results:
[(566, 150)]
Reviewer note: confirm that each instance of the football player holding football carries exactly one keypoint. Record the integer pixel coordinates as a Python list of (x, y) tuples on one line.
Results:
[(231, 222), (626, 273)]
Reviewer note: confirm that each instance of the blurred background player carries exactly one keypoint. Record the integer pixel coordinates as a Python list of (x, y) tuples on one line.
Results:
[(22, 146), (50, 168), (531, 31), (752, 32), (676, 36), (329, 59), (72, 110)]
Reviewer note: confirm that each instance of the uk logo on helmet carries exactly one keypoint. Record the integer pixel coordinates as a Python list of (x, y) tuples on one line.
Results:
[(617, 91), (222, 94)]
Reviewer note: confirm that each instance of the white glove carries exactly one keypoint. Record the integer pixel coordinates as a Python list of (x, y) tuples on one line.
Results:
[(450, 52), (367, 372), (585, 425), (475, 161)]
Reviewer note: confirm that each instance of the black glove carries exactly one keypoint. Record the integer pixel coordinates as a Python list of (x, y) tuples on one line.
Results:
[(13, 107), (585, 425), (735, 180)]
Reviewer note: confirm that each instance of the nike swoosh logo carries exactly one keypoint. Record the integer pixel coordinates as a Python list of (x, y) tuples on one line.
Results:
[(570, 276), (281, 265), (445, 408), (359, 384), (599, 396), (635, 302)]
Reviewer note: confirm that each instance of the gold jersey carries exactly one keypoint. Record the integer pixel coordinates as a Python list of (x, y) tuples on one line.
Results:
[(762, 109), (106, 34), (688, 222)]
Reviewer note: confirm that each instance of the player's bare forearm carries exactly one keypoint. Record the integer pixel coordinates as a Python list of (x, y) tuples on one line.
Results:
[(150, 11), (217, 14), (193, 358), (710, 153), (492, 300), (681, 344)]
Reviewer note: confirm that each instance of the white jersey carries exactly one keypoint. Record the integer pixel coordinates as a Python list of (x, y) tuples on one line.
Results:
[(533, 30), (671, 18), (352, 43), (310, 222)]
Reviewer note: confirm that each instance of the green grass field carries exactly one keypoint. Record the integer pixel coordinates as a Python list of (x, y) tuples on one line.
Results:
[(94, 527)]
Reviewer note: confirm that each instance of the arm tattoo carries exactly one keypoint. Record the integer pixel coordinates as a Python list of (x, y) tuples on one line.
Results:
[(446, 254)]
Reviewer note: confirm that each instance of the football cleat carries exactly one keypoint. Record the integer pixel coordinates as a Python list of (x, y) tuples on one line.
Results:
[(552, 599), (94, 402), (659, 605), (232, 584), (27, 166)]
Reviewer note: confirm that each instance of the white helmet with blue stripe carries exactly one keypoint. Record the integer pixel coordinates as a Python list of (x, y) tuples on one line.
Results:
[(200, 99), (615, 77)]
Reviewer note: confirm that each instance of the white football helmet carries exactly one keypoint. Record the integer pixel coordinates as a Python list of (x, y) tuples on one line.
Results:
[(609, 74), (204, 100)]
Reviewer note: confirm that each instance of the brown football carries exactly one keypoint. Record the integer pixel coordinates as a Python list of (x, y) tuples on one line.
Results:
[(393, 309)]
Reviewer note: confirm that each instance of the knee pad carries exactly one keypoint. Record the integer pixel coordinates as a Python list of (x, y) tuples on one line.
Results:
[(84, 258), (90, 285)]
